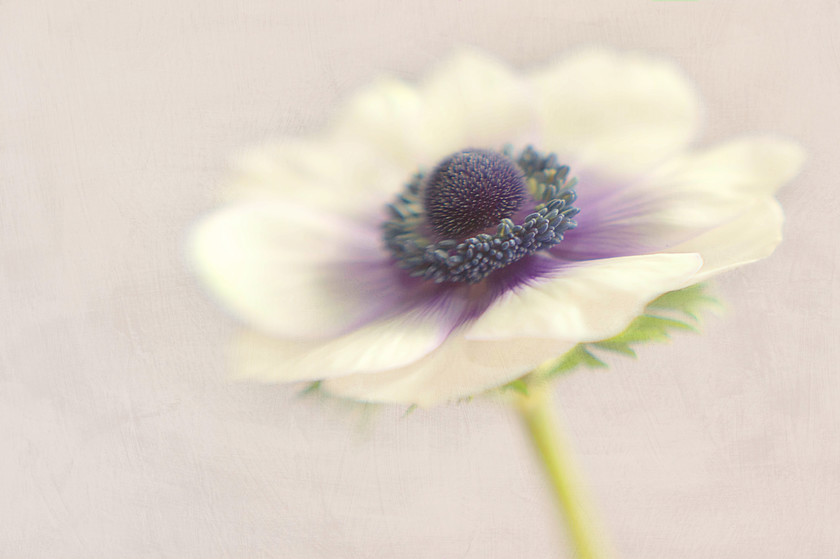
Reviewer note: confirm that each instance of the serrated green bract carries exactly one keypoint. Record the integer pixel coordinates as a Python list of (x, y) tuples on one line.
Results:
[(649, 327), (689, 301), (311, 388), (579, 355), (673, 311), (519, 385)]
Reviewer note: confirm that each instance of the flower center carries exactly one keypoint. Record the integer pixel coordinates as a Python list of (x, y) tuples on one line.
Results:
[(472, 190), (456, 225)]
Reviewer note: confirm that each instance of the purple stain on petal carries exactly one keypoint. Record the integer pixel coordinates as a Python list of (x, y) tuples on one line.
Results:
[(391, 291), (600, 231), (623, 219), (461, 303)]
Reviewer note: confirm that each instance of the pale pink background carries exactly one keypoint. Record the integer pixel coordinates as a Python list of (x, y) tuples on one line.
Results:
[(121, 437)]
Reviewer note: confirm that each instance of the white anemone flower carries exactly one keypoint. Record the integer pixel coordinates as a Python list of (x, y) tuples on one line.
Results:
[(428, 245)]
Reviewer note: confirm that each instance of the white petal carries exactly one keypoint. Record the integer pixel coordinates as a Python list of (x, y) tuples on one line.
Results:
[(478, 102), (589, 301), (384, 344), (744, 167), (459, 368), (289, 271), (679, 200), (388, 115), (470, 100), (751, 236), (620, 112), (333, 175)]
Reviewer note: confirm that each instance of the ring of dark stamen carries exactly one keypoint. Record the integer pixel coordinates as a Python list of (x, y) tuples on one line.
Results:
[(473, 259)]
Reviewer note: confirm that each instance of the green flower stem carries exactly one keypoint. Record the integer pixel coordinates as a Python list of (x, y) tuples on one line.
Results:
[(553, 449)]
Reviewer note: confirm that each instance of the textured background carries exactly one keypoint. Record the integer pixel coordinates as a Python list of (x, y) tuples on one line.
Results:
[(120, 435)]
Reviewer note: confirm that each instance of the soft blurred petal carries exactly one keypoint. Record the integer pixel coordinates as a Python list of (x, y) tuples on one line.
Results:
[(744, 167), (383, 344), (389, 115), (470, 100), (459, 368), (619, 112), (290, 271), (588, 301), (341, 177), (751, 236), (479, 102), (688, 196)]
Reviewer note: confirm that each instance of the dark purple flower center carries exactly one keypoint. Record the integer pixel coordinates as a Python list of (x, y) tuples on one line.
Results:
[(472, 190), (478, 212)]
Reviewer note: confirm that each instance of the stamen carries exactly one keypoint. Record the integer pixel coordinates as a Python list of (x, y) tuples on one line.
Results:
[(473, 259)]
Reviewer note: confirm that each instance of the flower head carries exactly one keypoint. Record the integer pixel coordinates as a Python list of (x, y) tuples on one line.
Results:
[(443, 239)]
